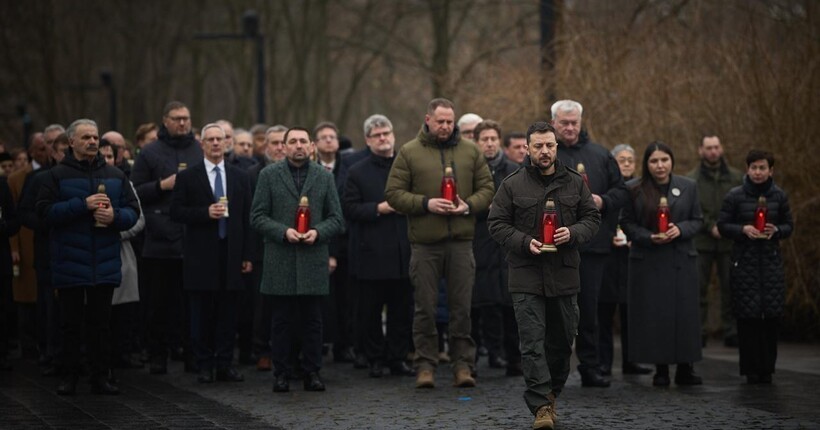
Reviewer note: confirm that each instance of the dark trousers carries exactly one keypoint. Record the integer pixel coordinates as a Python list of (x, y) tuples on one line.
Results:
[(124, 329), (757, 345), (488, 328), (48, 318), (547, 327), (301, 314), (511, 340), (89, 308), (397, 295), (27, 328), (6, 309), (213, 327), (245, 319), (339, 310), (166, 313), (261, 314), (592, 272), (606, 317), (723, 262)]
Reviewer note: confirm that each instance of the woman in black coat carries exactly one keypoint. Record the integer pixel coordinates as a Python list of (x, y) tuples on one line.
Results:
[(757, 276), (664, 300)]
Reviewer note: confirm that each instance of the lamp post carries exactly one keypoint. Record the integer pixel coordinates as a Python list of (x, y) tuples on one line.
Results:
[(108, 83), (250, 31)]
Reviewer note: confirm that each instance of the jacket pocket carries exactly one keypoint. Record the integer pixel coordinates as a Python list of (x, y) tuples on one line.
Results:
[(526, 209), (572, 259), (567, 204)]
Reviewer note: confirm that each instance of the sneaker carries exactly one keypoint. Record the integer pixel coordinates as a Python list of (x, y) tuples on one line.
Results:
[(464, 379), (425, 379), (544, 418)]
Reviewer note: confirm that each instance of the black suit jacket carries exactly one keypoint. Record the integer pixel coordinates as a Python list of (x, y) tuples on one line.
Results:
[(200, 244)]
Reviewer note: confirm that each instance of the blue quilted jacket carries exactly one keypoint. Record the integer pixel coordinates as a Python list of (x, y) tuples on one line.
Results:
[(82, 254)]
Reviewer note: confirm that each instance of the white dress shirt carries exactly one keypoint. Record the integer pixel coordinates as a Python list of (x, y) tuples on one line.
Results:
[(209, 168)]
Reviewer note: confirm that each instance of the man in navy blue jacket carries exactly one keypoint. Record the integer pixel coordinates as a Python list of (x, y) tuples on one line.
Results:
[(86, 204)]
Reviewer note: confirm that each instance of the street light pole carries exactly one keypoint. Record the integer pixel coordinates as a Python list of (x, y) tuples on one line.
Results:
[(250, 30), (108, 82)]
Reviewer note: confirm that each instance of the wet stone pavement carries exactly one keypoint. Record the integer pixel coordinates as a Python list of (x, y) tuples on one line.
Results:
[(355, 401)]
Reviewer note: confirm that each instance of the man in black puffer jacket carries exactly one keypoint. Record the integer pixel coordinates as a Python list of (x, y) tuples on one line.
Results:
[(603, 178), (154, 176), (757, 278), (86, 204)]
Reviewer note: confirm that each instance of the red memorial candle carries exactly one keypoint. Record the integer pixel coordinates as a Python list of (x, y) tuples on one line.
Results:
[(761, 213), (448, 186), (583, 171), (303, 216), (549, 223), (663, 216)]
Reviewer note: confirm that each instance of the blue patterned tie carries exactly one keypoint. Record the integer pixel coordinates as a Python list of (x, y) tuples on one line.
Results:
[(218, 193)]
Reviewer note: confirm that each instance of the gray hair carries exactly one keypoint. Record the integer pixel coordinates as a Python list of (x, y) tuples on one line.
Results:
[(376, 121), (73, 127), (621, 148), (53, 127), (212, 125), (566, 106), (469, 118), (276, 128)]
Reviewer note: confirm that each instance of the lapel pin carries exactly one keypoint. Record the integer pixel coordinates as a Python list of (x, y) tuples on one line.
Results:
[(676, 192)]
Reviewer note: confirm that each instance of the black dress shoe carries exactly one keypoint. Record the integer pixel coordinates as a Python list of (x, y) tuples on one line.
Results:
[(206, 376), (765, 378), (177, 354), (636, 369), (605, 370), (5, 365), (593, 378), (730, 341), (360, 362), (685, 375), (400, 368), (281, 384), (752, 379), (376, 370), (660, 380), (100, 385), (496, 362), (68, 386), (158, 366), (343, 355), (50, 370), (313, 382), (229, 374), (514, 369), (191, 366)]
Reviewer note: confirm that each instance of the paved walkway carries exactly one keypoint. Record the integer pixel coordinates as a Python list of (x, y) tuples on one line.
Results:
[(355, 401)]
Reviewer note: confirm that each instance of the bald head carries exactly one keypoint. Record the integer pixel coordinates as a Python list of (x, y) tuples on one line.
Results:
[(117, 140)]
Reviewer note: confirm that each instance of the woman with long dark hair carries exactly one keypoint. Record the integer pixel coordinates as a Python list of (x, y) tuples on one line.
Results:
[(664, 309)]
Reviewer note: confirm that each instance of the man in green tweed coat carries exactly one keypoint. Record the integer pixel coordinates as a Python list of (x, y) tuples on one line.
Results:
[(295, 266)]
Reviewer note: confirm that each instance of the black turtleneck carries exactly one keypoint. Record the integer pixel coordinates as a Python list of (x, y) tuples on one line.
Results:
[(299, 174)]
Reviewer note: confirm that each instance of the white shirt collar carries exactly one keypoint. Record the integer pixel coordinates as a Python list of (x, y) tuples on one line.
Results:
[(209, 167)]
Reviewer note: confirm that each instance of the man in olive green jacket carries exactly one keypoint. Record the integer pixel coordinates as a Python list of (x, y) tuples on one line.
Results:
[(441, 233), (544, 285), (714, 178)]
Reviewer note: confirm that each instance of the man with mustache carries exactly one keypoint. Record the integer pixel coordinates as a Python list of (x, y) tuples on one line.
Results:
[(86, 204), (544, 285)]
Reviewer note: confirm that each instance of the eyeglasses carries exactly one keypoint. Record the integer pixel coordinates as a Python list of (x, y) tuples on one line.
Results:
[(179, 118), (380, 135), (629, 160)]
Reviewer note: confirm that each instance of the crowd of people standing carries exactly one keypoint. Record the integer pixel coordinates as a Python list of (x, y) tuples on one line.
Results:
[(287, 245)]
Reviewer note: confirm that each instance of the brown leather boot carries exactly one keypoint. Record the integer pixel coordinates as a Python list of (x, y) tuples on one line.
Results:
[(464, 379), (424, 379), (544, 418)]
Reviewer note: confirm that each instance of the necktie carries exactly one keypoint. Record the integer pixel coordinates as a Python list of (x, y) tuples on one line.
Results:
[(220, 192)]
